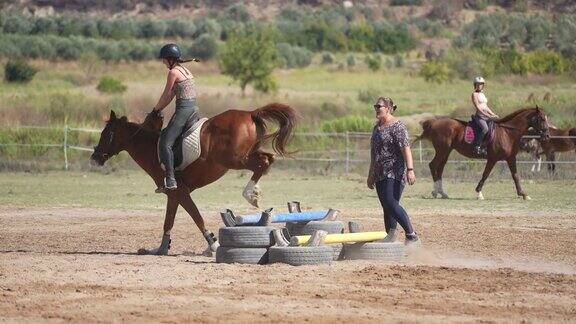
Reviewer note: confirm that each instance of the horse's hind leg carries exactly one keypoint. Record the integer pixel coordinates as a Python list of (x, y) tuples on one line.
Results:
[(258, 162), (436, 169)]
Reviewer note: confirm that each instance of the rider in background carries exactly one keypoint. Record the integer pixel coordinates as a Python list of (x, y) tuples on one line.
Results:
[(179, 84), (483, 112)]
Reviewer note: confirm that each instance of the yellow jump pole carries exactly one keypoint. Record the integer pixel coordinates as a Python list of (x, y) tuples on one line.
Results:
[(342, 238)]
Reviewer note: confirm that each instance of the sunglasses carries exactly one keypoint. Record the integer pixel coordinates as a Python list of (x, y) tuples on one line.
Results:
[(376, 107)]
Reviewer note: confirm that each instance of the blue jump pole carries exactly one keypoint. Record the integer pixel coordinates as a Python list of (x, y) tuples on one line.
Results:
[(306, 216)]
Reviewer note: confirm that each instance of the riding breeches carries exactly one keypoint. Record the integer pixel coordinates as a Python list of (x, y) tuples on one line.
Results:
[(483, 124), (185, 109)]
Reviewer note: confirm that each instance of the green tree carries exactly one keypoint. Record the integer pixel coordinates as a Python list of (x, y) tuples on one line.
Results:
[(249, 58)]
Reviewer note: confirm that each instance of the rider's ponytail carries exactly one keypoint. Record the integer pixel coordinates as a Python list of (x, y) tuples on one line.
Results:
[(186, 61)]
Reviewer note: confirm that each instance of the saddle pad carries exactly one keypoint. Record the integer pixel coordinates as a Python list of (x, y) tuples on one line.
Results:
[(187, 148), (469, 135), (191, 149)]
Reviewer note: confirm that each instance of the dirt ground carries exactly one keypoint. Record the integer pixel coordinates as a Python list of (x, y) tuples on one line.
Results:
[(79, 264)]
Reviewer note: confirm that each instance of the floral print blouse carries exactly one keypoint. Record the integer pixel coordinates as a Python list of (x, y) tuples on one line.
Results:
[(386, 143)]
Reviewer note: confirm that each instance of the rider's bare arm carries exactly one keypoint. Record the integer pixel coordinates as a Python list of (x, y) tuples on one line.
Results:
[(168, 94)]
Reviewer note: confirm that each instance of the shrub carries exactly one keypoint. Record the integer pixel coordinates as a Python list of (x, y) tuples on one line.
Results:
[(19, 71), (328, 58), (110, 85), (237, 12), (368, 95), (438, 72), (348, 124), (208, 26), (203, 48), (393, 39), (152, 28), (294, 56), (543, 61), (351, 61), (180, 28), (374, 62), (15, 23), (90, 28), (67, 49), (398, 61), (36, 47), (45, 25)]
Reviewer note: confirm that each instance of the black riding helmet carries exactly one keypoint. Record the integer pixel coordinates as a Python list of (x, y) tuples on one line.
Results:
[(170, 51)]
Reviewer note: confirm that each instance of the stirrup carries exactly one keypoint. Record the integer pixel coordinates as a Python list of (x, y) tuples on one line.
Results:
[(165, 188)]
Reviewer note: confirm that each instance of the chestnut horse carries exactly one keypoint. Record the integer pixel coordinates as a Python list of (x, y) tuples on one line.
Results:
[(447, 134), (230, 140), (559, 141)]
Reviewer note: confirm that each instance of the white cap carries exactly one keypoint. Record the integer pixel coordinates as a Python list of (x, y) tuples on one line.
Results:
[(479, 79)]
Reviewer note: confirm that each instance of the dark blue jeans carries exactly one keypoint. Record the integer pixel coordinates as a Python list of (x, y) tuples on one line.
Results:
[(389, 192)]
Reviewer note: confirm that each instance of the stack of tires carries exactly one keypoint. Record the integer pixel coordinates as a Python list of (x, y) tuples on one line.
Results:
[(244, 244)]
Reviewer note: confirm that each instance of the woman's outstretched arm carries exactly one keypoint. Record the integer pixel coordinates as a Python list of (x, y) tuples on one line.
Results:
[(168, 93)]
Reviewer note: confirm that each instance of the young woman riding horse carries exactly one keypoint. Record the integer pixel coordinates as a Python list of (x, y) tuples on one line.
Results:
[(483, 113), (447, 134), (230, 140), (179, 84)]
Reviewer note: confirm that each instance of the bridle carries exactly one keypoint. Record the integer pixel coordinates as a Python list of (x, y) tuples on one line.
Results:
[(111, 139)]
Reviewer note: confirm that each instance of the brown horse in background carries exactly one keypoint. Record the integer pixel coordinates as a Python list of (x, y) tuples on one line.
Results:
[(447, 134), (548, 148), (230, 140)]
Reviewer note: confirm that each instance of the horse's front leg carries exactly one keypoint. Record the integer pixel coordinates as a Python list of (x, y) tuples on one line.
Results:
[(487, 169), (171, 208), (259, 163), (512, 166), (192, 210)]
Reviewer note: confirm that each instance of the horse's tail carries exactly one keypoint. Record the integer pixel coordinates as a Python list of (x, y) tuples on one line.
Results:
[(286, 118), (426, 129)]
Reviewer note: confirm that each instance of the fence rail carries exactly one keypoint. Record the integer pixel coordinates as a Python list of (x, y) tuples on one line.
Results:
[(346, 155)]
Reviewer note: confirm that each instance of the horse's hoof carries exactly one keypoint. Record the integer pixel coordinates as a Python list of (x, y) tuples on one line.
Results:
[(527, 197), (434, 194), (444, 196), (480, 196)]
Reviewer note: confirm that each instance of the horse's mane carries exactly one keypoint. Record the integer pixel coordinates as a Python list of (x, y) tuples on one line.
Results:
[(513, 115)]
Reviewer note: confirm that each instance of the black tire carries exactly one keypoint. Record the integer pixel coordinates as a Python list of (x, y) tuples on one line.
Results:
[(389, 252), (246, 236), (331, 227), (301, 255), (241, 255), (338, 251)]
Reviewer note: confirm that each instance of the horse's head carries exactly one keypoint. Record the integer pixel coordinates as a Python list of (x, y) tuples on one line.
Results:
[(111, 140), (539, 122)]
